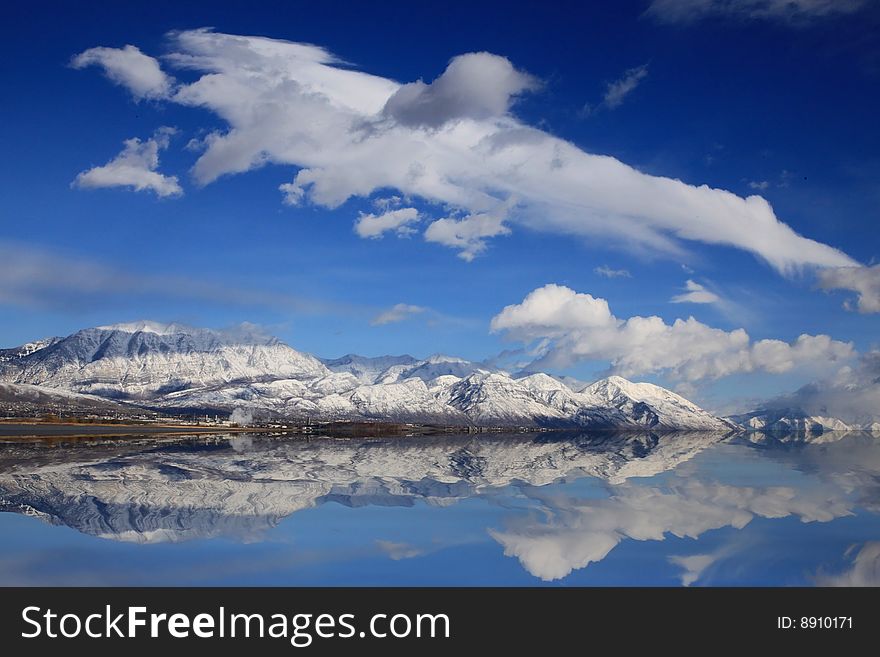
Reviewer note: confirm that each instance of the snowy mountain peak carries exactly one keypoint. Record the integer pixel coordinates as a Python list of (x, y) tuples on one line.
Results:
[(368, 369), (614, 387), (795, 420), (145, 360), (147, 326), (543, 381), (26, 349), (443, 358)]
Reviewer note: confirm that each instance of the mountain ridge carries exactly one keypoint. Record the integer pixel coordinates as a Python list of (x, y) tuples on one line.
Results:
[(176, 367)]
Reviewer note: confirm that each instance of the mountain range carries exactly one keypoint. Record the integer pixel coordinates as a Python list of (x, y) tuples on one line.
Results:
[(243, 371)]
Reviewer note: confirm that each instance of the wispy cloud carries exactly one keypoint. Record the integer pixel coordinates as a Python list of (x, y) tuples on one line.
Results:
[(608, 272), (785, 11), (617, 91), (397, 313), (398, 551), (695, 293), (864, 571), (36, 277)]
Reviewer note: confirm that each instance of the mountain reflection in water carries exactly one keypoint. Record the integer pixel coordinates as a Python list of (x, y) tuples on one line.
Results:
[(560, 504)]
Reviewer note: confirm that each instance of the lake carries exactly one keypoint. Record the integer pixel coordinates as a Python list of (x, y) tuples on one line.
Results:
[(481, 509)]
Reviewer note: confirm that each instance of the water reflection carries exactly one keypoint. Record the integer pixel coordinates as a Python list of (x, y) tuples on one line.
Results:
[(556, 503)]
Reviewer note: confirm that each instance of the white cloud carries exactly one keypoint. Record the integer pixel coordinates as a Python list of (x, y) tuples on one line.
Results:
[(476, 86), (851, 393), (794, 11), (134, 167), (397, 313), (760, 185), (455, 144), (130, 68), (865, 281), (865, 570), (694, 566), (695, 293), (579, 326), (398, 551), (608, 272), (375, 225), (468, 234), (618, 90)]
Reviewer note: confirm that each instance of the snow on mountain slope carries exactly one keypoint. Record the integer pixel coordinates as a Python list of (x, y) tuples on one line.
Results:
[(26, 349), (408, 401), (492, 398), (652, 406), (793, 420), (430, 368), (21, 397), (365, 369), (145, 360), (178, 367), (553, 393)]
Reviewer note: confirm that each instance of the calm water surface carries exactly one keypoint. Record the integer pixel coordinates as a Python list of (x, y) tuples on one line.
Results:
[(541, 509)]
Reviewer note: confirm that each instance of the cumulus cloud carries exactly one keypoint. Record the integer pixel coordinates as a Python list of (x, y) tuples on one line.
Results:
[(695, 293), (477, 86), (130, 68), (397, 313), (618, 90), (793, 11), (467, 234), (374, 226), (575, 326), (608, 272), (135, 167), (577, 532), (865, 281), (453, 143)]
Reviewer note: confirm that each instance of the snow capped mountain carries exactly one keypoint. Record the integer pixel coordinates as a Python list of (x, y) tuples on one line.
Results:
[(438, 365), (146, 326), (389, 369), (26, 349), (22, 397), (652, 406), (365, 369), (796, 421), (496, 399), (146, 359), (180, 367)]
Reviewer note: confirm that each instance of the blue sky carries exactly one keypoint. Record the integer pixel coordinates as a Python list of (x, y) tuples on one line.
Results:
[(752, 97)]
